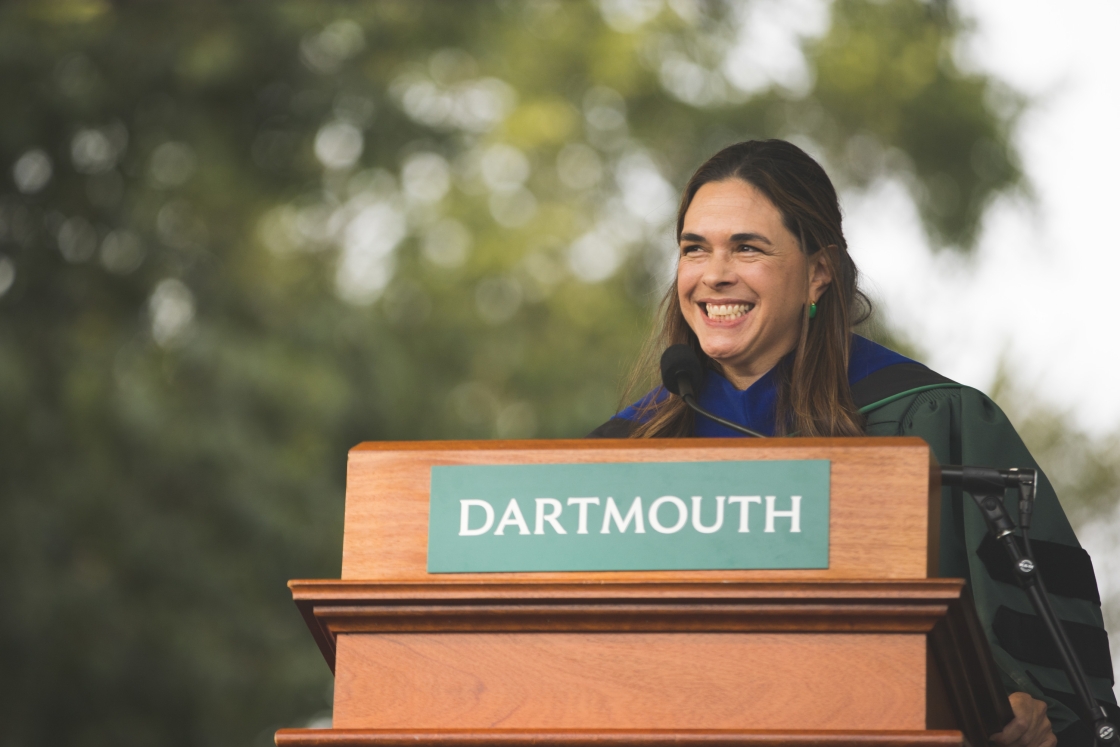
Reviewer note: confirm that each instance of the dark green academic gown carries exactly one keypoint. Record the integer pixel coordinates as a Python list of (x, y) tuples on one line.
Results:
[(963, 426)]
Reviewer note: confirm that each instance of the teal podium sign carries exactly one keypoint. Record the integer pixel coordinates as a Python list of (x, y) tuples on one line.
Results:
[(632, 516)]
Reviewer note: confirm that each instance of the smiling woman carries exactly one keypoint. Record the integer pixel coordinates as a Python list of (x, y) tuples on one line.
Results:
[(744, 292), (766, 296), (761, 250)]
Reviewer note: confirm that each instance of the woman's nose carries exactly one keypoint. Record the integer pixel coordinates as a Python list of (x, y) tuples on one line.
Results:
[(719, 271)]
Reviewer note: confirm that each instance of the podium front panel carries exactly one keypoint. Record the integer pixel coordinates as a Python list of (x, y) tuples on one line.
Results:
[(631, 681)]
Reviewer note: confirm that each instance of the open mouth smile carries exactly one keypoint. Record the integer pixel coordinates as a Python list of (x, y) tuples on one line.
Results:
[(727, 311)]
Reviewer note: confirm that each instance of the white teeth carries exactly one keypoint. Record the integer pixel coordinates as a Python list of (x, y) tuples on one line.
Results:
[(725, 311)]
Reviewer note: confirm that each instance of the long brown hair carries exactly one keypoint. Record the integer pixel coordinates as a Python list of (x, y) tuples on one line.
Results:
[(814, 398)]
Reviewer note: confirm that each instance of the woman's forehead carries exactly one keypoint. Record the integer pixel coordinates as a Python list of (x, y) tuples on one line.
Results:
[(725, 208)]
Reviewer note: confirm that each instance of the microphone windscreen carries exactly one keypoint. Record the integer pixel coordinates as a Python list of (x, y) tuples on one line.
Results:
[(677, 361)]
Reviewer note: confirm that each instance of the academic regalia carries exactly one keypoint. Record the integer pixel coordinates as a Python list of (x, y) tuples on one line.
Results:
[(901, 397)]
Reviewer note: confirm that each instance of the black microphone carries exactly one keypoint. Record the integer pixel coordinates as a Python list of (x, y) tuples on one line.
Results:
[(682, 374), (984, 478), (987, 485), (991, 483)]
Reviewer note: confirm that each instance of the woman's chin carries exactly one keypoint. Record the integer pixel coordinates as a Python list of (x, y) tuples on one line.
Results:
[(723, 354)]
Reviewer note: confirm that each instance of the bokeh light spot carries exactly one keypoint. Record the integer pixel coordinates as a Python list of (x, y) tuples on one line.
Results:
[(32, 171), (338, 145)]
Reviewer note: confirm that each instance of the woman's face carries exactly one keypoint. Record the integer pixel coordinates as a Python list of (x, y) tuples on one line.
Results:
[(742, 279)]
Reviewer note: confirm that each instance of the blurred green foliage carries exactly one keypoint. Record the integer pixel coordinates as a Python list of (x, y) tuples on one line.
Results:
[(237, 239)]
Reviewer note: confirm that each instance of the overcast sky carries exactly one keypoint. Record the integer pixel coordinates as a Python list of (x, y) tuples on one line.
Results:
[(1039, 294)]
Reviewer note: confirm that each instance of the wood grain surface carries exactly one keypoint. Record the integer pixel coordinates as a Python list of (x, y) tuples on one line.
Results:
[(961, 689), (871, 651), (652, 681), (882, 498), (612, 738)]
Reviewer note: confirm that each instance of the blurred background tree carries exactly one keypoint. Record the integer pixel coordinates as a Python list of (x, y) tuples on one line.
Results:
[(237, 239)]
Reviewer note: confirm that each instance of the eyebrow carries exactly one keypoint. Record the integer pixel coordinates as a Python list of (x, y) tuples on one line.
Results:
[(734, 237)]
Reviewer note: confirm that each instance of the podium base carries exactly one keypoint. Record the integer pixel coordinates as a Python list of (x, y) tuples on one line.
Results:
[(612, 738)]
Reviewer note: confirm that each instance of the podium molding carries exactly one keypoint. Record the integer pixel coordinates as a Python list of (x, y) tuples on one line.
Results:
[(613, 738), (961, 690)]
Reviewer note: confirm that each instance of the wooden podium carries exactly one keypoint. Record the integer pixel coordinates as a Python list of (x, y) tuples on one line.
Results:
[(872, 650)]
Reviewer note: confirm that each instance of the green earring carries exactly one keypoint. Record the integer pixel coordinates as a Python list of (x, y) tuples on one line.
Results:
[(812, 311)]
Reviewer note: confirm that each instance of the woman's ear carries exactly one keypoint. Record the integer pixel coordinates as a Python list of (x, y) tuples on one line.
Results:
[(820, 272)]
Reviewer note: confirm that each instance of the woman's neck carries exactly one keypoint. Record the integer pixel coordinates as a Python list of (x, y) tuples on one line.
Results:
[(741, 381), (743, 375)]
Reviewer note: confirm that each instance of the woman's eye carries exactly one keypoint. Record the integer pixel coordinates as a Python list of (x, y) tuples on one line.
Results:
[(690, 249), (747, 249)]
